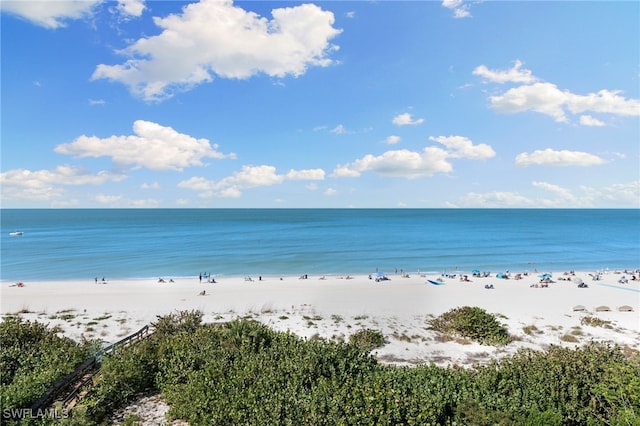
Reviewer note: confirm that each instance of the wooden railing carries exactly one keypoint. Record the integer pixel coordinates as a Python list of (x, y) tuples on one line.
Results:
[(143, 333), (84, 373), (61, 384)]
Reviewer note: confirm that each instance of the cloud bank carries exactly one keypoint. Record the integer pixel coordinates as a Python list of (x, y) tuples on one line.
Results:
[(152, 146), (410, 164), (215, 38), (247, 178), (546, 98)]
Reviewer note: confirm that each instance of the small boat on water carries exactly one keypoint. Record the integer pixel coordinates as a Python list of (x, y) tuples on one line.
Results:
[(16, 233)]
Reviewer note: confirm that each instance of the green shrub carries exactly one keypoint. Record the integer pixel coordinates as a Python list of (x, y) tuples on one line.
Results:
[(124, 375), (595, 322), (367, 339), (32, 358), (570, 382), (473, 323), (183, 321)]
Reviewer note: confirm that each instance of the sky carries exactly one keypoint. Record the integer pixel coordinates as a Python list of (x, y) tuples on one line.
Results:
[(338, 104)]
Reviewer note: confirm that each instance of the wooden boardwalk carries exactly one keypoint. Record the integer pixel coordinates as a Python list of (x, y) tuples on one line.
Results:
[(71, 388)]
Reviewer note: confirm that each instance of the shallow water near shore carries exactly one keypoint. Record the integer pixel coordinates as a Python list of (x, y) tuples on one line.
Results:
[(130, 243)]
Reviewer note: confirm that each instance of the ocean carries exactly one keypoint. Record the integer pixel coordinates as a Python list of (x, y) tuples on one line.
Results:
[(143, 243)]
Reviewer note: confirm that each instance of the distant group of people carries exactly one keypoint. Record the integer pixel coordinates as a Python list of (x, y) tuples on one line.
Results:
[(208, 277)]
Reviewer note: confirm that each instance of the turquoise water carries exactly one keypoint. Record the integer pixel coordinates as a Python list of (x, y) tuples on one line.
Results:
[(130, 243)]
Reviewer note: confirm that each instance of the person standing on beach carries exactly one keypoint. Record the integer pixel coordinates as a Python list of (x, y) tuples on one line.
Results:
[(200, 276)]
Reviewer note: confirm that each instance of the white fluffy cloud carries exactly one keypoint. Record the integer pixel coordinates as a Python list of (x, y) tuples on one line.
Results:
[(47, 185), (215, 38), (54, 14), (152, 146), (406, 119), (514, 75), (587, 120), (399, 163), (131, 7), (249, 177), (550, 157), (411, 164), (462, 147), (604, 101), (546, 98), (460, 9), (50, 13)]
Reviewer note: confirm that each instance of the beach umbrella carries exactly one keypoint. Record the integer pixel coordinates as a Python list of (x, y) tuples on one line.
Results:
[(544, 276), (577, 280), (475, 271)]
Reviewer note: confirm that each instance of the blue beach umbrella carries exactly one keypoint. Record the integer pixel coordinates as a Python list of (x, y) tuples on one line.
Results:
[(543, 276), (475, 271)]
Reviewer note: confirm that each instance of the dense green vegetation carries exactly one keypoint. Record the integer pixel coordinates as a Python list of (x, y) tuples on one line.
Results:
[(474, 323), (32, 358), (243, 373)]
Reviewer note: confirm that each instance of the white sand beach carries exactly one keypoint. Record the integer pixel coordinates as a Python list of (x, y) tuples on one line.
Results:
[(335, 307)]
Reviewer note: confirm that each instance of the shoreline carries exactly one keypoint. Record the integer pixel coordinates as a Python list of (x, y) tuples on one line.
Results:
[(337, 306), (336, 275)]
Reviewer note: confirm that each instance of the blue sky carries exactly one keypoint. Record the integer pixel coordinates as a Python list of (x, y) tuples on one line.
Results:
[(418, 104)]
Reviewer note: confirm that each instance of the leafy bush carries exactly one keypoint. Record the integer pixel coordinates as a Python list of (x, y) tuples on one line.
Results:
[(183, 321), (367, 339), (572, 383), (32, 358), (122, 376), (474, 323)]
